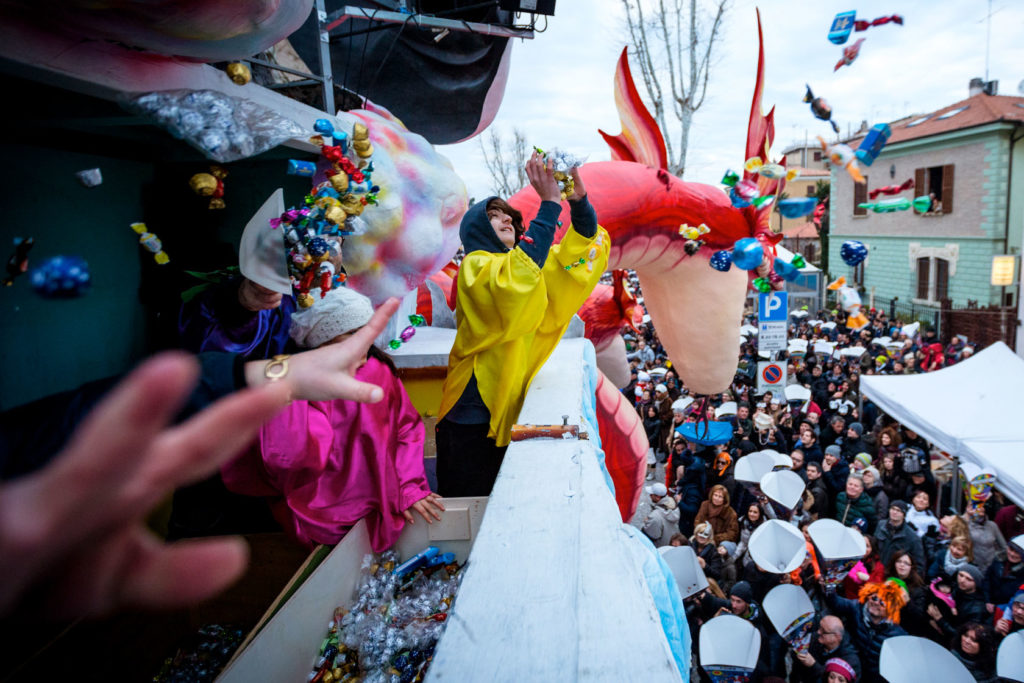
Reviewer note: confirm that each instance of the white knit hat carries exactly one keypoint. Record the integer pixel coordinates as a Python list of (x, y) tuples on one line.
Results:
[(341, 310)]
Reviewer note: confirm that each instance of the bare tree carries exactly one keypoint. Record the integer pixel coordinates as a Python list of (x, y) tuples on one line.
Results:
[(673, 49), (506, 162)]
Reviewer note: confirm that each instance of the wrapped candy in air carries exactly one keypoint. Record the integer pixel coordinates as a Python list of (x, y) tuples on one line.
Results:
[(151, 243), (61, 277), (90, 177)]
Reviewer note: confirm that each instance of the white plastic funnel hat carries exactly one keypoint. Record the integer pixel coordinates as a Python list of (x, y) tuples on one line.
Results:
[(1010, 659), (777, 547), (791, 613), (261, 253), (727, 408), (779, 460), (911, 329), (785, 487), (909, 659), (796, 392), (728, 641), (748, 330), (681, 404), (835, 541), (851, 352), (797, 347), (682, 560), (830, 325), (751, 468), (824, 347)]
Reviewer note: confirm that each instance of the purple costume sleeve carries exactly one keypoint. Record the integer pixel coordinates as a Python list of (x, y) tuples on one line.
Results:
[(215, 321)]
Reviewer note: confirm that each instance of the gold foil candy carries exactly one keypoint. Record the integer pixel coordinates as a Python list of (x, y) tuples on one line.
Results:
[(203, 184), (239, 73)]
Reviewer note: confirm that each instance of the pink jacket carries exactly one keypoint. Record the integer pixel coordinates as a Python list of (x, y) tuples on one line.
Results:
[(327, 464)]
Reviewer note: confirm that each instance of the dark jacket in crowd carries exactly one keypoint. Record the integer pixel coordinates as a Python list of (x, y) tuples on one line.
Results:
[(862, 507), (904, 538), (816, 673), (1002, 581), (866, 636), (835, 478), (689, 496)]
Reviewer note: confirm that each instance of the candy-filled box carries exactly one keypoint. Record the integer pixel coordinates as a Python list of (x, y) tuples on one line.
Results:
[(288, 643)]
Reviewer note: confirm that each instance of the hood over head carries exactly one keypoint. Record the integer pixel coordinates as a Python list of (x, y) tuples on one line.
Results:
[(476, 231)]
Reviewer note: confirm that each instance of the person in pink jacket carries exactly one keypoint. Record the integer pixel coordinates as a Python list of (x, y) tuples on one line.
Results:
[(325, 465)]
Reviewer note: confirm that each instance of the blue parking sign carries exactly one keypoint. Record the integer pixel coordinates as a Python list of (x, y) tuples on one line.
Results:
[(773, 307)]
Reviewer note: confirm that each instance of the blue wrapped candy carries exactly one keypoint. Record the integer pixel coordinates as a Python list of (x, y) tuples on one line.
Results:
[(853, 252), (721, 260), (306, 169), (787, 271), (748, 253), (61, 277), (323, 126), (795, 208)]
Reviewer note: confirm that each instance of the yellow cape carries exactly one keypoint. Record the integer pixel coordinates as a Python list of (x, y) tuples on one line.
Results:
[(510, 315)]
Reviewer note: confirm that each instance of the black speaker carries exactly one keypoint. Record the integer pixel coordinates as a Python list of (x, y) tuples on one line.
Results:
[(535, 6)]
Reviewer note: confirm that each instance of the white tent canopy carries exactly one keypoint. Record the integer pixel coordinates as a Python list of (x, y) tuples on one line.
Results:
[(970, 410)]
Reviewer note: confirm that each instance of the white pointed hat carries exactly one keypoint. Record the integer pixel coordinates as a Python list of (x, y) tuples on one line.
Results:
[(261, 253)]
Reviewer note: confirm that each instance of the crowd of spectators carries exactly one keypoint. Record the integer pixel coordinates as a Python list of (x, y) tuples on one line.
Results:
[(957, 579)]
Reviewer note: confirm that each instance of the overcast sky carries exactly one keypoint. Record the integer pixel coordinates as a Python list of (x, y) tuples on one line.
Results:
[(560, 86)]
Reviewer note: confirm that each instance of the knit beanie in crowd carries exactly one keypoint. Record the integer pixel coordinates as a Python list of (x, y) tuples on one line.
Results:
[(863, 458), (834, 450), (974, 573), (743, 591), (839, 666), (857, 427)]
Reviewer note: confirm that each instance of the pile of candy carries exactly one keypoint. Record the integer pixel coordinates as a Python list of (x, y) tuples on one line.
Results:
[(562, 163), (202, 660), (332, 210), (222, 127), (390, 632)]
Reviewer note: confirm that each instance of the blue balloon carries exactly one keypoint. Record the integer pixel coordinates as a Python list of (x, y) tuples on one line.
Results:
[(748, 253), (795, 208), (853, 252), (721, 260), (786, 270)]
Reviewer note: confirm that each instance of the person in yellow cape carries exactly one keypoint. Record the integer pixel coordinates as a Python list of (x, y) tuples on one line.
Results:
[(516, 296)]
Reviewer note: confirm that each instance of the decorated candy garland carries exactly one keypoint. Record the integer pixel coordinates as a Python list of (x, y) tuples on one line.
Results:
[(313, 233)]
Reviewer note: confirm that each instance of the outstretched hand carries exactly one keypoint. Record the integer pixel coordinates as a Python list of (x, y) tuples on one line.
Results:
[(328, 373), (542, 178), (72, 536)]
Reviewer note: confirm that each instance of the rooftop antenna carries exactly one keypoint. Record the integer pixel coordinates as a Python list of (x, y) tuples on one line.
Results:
[(988, 37)]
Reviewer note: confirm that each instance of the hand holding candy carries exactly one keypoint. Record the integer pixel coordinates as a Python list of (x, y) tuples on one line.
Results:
[(542, 178)]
